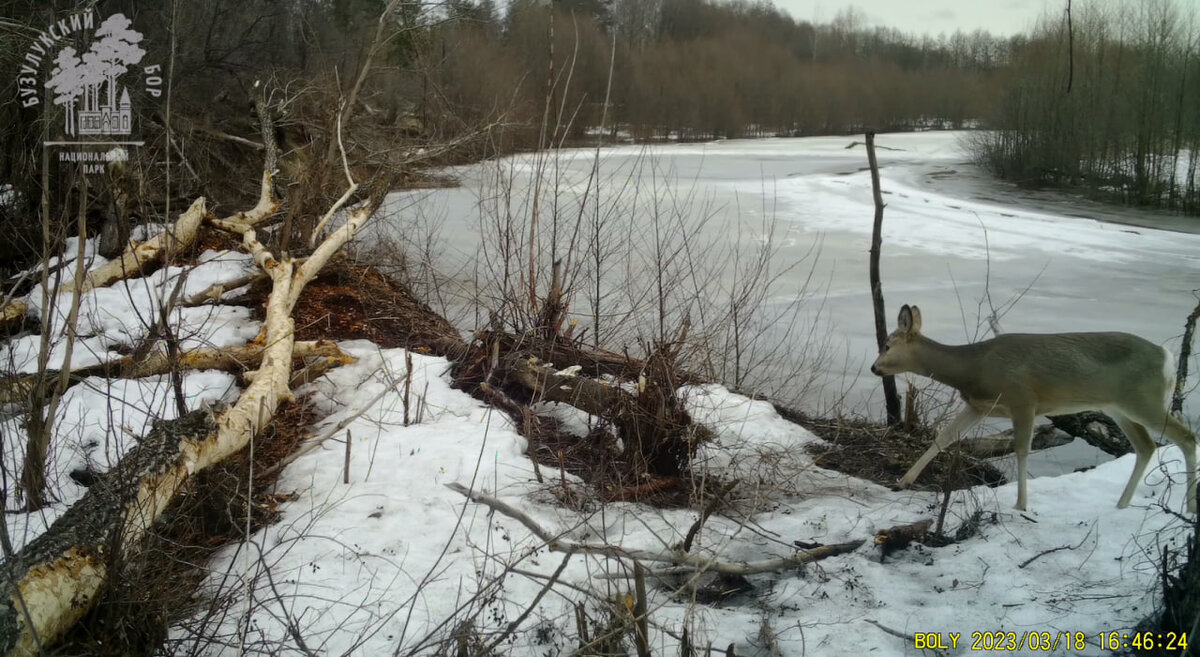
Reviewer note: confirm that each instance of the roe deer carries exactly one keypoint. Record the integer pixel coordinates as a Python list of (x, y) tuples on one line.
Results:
[(1022, 376)]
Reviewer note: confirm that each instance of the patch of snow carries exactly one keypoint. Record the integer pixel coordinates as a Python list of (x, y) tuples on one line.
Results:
[(123, 313), (98, 421)]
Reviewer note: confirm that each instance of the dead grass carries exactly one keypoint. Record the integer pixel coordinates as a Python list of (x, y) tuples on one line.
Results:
[(882, 454), (351, 302)]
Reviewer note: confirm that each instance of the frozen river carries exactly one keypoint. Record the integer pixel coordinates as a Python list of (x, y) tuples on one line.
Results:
[(955, 243)]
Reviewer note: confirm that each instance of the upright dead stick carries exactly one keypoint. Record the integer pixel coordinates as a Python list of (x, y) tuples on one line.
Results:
[(890, 396)]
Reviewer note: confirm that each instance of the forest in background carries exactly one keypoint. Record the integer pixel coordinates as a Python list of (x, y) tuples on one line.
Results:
[(697, 69), (1105, 100), (458, 80), (1108, 102)]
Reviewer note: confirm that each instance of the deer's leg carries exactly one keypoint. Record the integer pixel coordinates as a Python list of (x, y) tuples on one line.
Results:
[(950, 433), (1180, 435), (1022, 420), (1144, 446)]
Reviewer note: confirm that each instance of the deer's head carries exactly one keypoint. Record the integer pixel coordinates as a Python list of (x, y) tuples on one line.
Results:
[(896, 356)]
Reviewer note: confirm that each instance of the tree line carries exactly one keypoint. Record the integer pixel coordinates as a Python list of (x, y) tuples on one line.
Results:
[(1106, 100), (456, 80), (700, 69)]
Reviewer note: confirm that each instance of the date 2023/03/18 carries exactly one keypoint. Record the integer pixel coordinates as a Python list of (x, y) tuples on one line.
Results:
[(1052, 641)]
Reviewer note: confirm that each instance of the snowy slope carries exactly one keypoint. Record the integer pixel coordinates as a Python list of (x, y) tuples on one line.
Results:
[(376, 566)]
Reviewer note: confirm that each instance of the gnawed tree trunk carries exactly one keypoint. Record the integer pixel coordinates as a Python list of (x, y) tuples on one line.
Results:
[(178, 236), (138, 256), (55, 579), (12, 313), (660, 435), (1098, 429)]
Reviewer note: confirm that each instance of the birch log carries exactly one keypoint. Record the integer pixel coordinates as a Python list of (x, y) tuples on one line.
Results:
[(51, 583), (136, 256), (230, 359)]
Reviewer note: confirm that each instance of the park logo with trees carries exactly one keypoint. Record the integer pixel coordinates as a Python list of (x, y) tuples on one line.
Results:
[(86, 79), (88, 86)]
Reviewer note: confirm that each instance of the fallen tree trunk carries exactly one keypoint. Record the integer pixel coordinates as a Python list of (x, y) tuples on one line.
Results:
[(680, 561), (1001, 444), (1097, 429), (229, 359), (56, 578), (53, 582), (136, 256), (593, 362), (179, 236), (660, 434)]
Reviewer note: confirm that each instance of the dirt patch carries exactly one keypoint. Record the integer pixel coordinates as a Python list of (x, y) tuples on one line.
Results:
[(882, 454), (351, 302)]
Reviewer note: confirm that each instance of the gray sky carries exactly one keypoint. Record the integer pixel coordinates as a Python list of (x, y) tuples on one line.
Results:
[(1000, 17)]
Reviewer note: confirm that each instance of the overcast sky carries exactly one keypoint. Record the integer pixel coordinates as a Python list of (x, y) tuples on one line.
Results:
[(1000, 17)]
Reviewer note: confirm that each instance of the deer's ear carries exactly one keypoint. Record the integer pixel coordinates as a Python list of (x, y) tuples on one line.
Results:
[(904, 321), (915, 321)]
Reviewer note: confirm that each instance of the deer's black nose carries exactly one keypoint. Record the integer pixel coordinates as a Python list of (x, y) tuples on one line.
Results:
[(875, 371)]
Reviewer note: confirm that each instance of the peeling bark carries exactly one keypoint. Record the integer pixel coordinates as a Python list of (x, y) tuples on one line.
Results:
[(138, 256), (60, 574), (12, 313), (229, 359), (54, 581)]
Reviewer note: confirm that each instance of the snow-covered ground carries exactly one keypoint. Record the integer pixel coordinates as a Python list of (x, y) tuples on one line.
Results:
[(378, 565), (395, 562)]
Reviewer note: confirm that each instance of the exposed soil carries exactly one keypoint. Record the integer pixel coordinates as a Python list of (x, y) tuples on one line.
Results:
[(350, 302), (883, 454)]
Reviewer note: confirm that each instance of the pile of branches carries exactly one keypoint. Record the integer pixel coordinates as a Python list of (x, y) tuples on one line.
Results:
[(58, 577), (633, 401), (1179, 615)]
